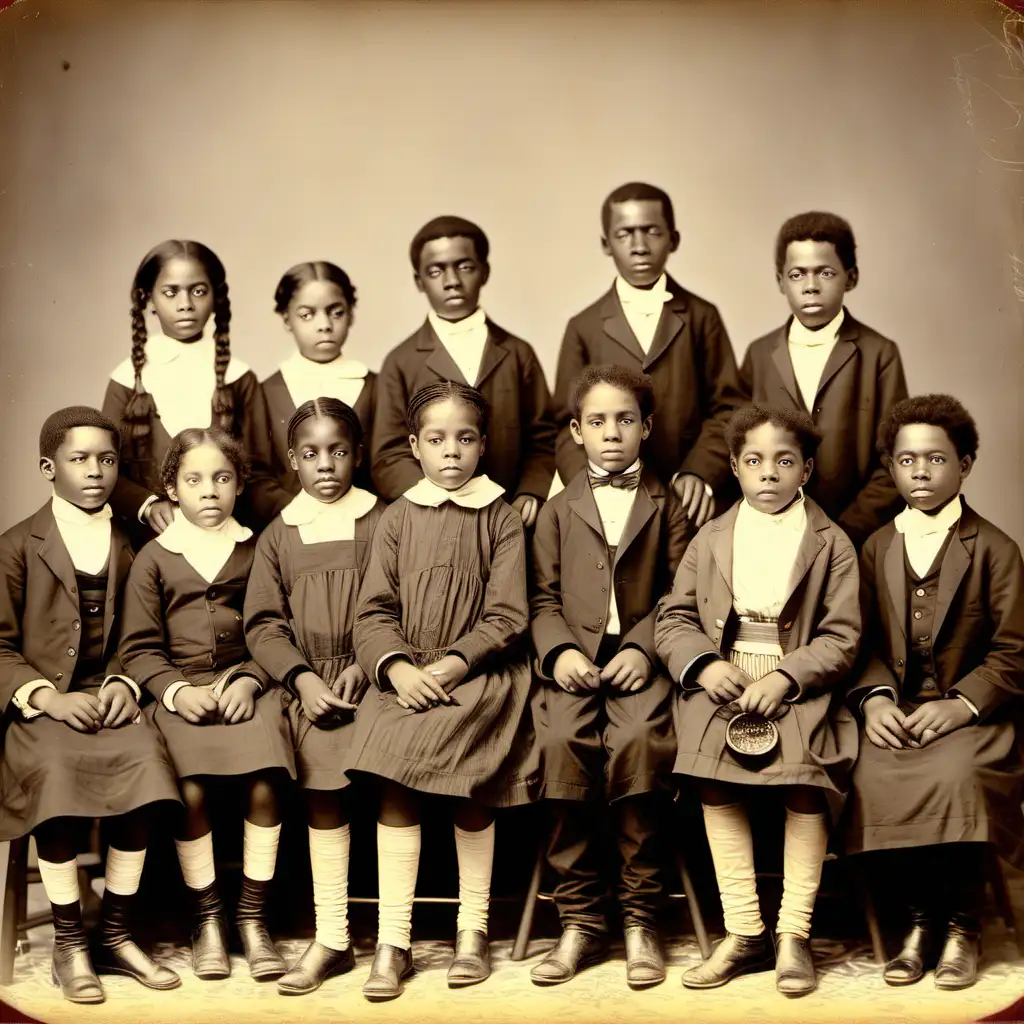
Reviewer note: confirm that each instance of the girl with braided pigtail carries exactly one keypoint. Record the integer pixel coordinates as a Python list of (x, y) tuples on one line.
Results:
[(182, 376)]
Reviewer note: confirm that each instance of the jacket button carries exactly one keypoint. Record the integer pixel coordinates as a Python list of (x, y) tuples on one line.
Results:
[(76, 624), (918, 614), (238, 618), (74, 590), (919, 592), (899, 663), (719, 623), (223, 636), (211, 593), (71, 652), (600, 565), (705, 600), (817, 412), (59, 676)]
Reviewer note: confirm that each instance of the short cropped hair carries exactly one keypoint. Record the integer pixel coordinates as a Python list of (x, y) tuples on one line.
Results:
[(55, 428), (750, 417), (449, 226), (817, 226), (936, 411), (619, 377), (638, 191)]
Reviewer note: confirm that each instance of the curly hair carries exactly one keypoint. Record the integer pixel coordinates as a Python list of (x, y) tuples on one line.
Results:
[(638, 384), (230, 447), (935, 410), (56, 426), (817, 226), (750, 417)]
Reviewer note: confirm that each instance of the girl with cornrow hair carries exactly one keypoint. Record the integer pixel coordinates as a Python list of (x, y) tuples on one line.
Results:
[(180, 377)]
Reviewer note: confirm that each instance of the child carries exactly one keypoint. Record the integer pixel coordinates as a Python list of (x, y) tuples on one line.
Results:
[(216, 708), (459, 342), (184, 376), (604, 552), (74, 747), (441, 632), (299, 609), (316, 301), (763, 619), (824, 362), (939, 687), (651, 325)]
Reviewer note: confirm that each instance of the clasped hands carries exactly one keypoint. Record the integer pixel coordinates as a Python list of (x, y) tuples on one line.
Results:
[(421, 688), (886, 726), (237, 702), (628, 671), (112, 707), (726, 683)]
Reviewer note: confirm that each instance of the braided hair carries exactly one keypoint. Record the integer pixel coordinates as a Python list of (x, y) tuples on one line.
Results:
[(139, 410), (326, 408), (230, 447), (443, 391), (315, 270)]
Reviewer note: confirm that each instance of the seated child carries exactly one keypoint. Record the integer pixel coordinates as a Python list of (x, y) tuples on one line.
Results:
[(763, 619), (441, 631), (218, 711), (300, 606), (604, 552), (459, 342), (316, 302), (74, 746), (824, 362), (940, 779), (650, 324)]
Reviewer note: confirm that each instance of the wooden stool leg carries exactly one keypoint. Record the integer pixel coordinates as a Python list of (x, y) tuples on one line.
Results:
[(529, 905), (17, 860), (870, 913), (693, 903)]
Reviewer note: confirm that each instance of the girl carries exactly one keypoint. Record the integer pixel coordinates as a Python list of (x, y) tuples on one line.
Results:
[(299, 610), (440, 631), (183, 376), (939, 688), (316, 301), (217, 709), (763, 618)]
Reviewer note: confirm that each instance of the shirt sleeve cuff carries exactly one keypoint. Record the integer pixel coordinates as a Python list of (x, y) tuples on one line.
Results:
[(960, 696), (145, 505), (874, 691), (25, 691), (702, 659), (379, 672), (168, 697)]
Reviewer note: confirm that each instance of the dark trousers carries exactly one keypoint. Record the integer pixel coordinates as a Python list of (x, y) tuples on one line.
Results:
[(944, 883)]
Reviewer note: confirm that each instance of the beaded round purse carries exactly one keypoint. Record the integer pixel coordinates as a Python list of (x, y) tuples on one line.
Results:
[(749, 734)]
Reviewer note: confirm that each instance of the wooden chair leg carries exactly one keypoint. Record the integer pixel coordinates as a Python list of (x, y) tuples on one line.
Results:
[(1002, 897), (693, 903), (17, 856), (529, 906), (870, 913)]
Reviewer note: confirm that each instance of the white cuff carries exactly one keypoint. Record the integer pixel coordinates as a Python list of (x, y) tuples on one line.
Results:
[(145, 505), (22, 694), (876, 690), (970, 704), (391, 656), (168, 697)]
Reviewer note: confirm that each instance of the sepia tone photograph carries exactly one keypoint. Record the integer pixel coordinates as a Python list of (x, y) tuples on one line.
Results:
[(512, 510)]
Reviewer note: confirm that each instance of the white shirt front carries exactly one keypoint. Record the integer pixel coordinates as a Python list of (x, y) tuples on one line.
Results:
[(643, 307), (809, 351), (85, 535), (342, 379), (614, 505), (206, 549), (476, 493), (924, 535), (464, 340), (319, 522)]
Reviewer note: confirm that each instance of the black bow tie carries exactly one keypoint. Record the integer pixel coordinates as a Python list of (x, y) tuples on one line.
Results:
[(624, 481)]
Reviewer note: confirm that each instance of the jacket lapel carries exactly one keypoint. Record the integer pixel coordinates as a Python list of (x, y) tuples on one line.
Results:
[(955, 564), (644, 508), (721, 544), (670, 324), (439, 361), (617, 327), (784, 366), (896, 580), (494, 352), (842, 352), (810, 545), (581, 501), (117, 572), (53, 551)]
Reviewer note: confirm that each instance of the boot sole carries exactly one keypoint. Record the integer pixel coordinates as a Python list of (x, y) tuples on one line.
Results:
[(213, 974), (796, 993), (466, 982), (296, 991), (902, 982), (383, 997), (105, 969), (583, 965), (639, 986), (955, 986), (757, 968)]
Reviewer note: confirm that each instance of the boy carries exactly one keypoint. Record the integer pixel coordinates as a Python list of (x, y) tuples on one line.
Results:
[(939, 687), (75, 746), (459, 342), (825, 363), (604, 552), (651, 325)]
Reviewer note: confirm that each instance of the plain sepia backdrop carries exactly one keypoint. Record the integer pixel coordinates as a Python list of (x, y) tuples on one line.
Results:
[(286, 131)]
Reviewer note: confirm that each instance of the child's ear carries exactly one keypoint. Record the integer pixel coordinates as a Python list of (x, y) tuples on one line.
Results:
[(734, 466), (485, 273), (574, 429), (172, 493), (292, 461), (673, 241), (47, 468), (605, 247), (779, 281), (418, 280), (287, 321), (483, 445), (357, 459), (887, 462), (808, 470), (415, 446), (852, 278), (966, 465), (645, 431)]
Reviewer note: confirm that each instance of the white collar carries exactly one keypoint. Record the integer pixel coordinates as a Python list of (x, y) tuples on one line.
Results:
[(458, 329), (182, 536), (793, 518), (826, 335), (598, 471), (66, 512), (648, 299), (476, 493), (304, 508), (914, 523), (337, 369), (162, 351)]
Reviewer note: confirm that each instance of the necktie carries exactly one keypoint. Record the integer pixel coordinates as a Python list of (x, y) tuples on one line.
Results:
[(624, 481)]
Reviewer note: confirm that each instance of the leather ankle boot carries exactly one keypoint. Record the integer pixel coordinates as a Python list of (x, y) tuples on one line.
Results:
[(116, 951), (72, 969), (733, 956), (958, 964), (917, 954), (265, 962), (210, 937)]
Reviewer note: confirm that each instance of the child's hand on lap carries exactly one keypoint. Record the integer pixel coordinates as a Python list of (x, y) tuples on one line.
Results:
[(527, 506), (351, 686), (196, 704), (317, 698), (724, 681), (417, 689), (937, 718), (628, 670), (449, 671), (765, 695), (238, 701), (574, 671), (160, 515), (885, 724), (80, 711), (117, 705)]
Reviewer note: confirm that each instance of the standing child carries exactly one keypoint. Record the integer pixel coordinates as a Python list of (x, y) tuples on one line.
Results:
[(649, 324), (841, 372), (941, 777), (317, 302), (74, 746), (299, 610), (604, 552), (218, 711), (184, 376), (441, 632), (459, 342), (763, 620)]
